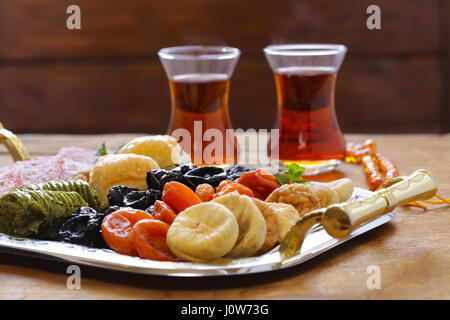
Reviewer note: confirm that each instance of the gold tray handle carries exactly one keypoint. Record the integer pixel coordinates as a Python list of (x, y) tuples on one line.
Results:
[(15, 148), (340, 220)]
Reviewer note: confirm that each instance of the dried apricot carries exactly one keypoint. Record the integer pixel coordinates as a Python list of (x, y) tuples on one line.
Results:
[(178, 196), (234, 186), (116, 228), (223, 184), (162, 211), (205, 192), (260, 182), (149, 239)]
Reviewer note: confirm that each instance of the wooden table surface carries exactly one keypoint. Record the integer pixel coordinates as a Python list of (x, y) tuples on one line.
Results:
[(412, 251)]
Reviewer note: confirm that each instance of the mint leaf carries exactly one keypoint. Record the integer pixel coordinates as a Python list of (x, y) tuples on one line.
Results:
[(101, 151), (282, 179), (296, 175), (295, 171), (292, 175)]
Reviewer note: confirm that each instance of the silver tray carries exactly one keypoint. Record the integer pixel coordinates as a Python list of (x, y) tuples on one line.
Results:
[(317, 241)]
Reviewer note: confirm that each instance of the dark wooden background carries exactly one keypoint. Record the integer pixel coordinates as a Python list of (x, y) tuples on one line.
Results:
[(107, 77)]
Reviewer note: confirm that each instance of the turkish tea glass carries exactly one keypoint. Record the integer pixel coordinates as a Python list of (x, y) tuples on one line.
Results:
[(199, 80), (305, 78)]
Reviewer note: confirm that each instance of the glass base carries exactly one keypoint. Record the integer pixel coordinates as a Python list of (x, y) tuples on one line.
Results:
[(314, 167)]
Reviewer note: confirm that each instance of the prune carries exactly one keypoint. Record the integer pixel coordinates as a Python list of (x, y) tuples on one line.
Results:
[(111, 210), (114, 209), (192, 176), (141, 199), (154, 178), (234, 172), (184, 168), (83, 227), (117, 194), (207, 174), (206, 171)]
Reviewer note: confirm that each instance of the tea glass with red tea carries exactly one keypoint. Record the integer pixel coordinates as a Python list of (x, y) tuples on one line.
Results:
[(199, 80), (305, 78)]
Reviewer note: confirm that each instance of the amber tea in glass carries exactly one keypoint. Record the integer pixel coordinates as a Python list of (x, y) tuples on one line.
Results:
[(199, 80), (305, 78)]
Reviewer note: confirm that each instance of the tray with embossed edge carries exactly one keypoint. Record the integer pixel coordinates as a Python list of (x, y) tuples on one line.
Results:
[(316, 242), (317, 231)]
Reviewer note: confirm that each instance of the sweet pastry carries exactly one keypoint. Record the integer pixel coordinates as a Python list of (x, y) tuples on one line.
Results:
[(120, 169), (164, 149)]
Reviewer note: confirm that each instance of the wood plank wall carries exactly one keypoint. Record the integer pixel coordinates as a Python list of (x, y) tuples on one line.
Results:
[(107, 77)]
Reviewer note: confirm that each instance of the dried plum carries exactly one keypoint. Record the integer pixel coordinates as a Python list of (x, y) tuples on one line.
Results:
[(206, 171), (111, 210), (178, 177), (207, 174), (114, 209), (184, 168), (154, 178), (84, 228), (117, 194), (141, 199), (234, 172), (191, 175)]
